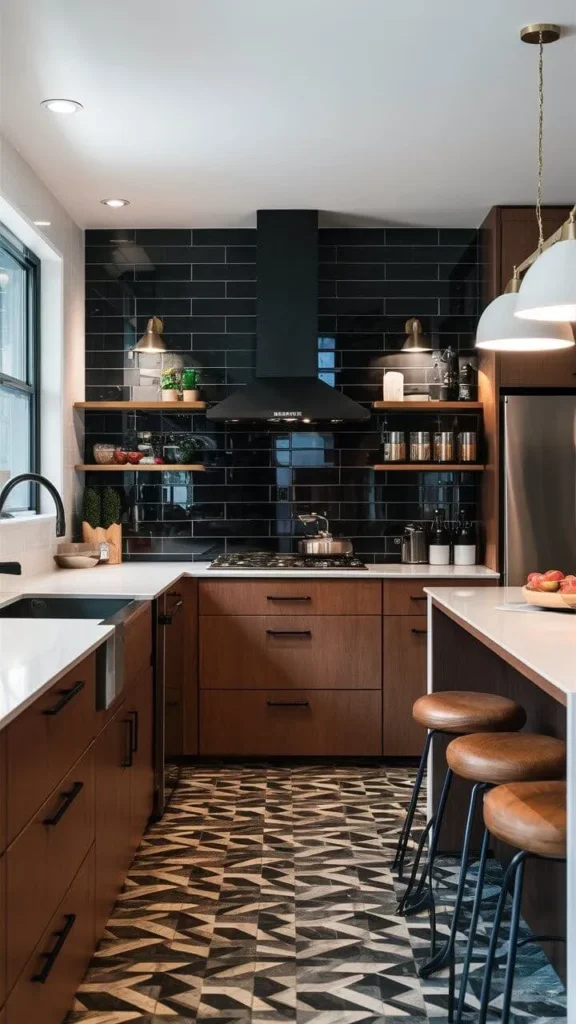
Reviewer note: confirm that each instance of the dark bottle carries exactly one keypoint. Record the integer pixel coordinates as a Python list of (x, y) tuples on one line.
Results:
[(439, 549), (450, 375), (466, 383), (464, 541)]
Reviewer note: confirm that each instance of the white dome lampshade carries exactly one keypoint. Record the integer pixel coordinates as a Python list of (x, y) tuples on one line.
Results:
[(501, 331), (548, 291)]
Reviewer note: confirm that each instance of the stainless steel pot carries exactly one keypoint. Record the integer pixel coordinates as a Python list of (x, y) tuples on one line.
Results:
[(322, 543)]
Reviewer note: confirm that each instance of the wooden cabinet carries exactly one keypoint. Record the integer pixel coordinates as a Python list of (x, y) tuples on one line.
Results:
[(43, 860), (46, 987), (2, 930), (291, 723), (2, 791), (179, 624), (290, 597), (407, 597), (281, 652), (138, 644), (45, 740), (113, 839), (140, 755), (404, 682)]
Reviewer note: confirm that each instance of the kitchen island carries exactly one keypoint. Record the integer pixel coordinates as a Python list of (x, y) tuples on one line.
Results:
[(489, 640)]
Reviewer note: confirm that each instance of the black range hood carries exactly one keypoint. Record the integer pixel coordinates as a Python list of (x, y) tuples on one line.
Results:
[(286, 387)]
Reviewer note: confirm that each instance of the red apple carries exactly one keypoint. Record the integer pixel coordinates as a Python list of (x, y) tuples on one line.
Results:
[(553, 574), (548, 586), (568, 587), (532, 575), (534, 580), (567, 582), (120, 457)]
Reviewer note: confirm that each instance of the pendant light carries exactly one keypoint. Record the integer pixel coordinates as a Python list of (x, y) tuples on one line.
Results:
[(548, 290), (501, 331), (152, 340), (500, 328)]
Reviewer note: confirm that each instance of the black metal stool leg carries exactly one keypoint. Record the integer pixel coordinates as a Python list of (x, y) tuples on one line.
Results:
[(513, 947), (489, 967), (421, 845), (402, 846), (414, 903), (446, 954), (472, 933)]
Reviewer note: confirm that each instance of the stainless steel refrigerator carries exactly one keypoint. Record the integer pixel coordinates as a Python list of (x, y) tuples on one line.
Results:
[(539, 526)]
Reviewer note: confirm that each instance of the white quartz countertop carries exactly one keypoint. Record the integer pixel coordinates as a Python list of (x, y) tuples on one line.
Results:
[(149, 579), (35, 655), (542, 641)]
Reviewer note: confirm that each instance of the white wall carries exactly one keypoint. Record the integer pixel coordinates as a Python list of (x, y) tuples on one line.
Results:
[(24, 199)]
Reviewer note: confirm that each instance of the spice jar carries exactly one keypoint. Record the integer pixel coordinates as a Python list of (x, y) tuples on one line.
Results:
[(394, 445), (444, 446), (419, 446), (467, 446)]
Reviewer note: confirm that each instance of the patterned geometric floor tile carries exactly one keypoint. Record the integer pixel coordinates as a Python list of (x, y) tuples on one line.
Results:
[(265, 896)]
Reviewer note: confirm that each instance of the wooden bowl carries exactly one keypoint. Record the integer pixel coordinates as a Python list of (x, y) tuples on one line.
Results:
[(556, 601)]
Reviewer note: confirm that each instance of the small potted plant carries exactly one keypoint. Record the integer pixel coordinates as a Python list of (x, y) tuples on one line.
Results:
[(190, 391), (101, 520), (170, 384)]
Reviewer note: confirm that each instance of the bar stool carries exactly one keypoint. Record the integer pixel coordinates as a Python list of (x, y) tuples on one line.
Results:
[(531, 817), (487, 760), (451, 712)]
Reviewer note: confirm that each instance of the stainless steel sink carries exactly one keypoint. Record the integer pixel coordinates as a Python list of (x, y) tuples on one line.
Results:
[(98, 608), (110, 611)]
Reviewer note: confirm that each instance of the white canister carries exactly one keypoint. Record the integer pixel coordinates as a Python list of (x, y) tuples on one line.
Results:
[(464, 554), (393, 386), (439, 554)]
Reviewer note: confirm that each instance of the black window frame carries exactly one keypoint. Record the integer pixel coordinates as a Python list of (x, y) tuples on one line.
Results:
[(30, 264)]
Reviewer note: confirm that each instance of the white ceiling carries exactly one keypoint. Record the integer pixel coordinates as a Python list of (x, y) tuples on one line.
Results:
[(201, 111)]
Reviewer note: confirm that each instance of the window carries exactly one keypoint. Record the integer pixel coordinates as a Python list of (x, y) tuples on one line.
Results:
[(19, 369)]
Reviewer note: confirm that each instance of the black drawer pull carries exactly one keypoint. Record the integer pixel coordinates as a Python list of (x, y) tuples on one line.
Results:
[(288, 703), (272, 597), (422, 598), (289, 632), (52, 956), (134, 736), (166, 620), (129, 758), (69, 799), (67, 696), (419, 632)]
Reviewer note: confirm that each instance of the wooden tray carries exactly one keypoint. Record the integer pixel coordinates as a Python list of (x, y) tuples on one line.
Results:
[(557, 601)]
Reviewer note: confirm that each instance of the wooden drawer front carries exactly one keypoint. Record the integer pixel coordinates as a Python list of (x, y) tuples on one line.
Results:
[(404, 682), (69, 939), (290, 597), (288, 723), (407, 597), (139, 708), (42, 861), (2, 930), (45, 741), (138, 644), (265, 651), (2, 791)]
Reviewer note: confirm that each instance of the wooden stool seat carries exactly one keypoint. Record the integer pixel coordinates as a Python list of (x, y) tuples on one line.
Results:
[(463, 711), (496, 758), (529, 815)]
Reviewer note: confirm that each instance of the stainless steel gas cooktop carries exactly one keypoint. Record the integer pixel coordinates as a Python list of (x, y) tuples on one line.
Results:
[(265, 560)]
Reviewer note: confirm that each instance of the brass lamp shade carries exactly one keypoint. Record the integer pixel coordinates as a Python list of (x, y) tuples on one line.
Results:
[(415, 340), (152, 341)]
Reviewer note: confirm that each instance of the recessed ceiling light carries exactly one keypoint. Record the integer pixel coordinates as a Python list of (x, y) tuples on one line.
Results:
[(115, 203), (42, 223), (61, 106)]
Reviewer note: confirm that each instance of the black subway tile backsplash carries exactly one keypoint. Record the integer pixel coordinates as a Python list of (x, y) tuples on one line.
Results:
[(202, 282)]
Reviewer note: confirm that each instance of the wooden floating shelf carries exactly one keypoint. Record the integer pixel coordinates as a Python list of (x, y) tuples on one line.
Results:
[(164, 467), (431, 467), (428, 406), (133, 406)]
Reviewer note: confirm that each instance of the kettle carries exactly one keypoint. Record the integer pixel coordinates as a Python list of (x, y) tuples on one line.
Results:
[(414, 545)]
